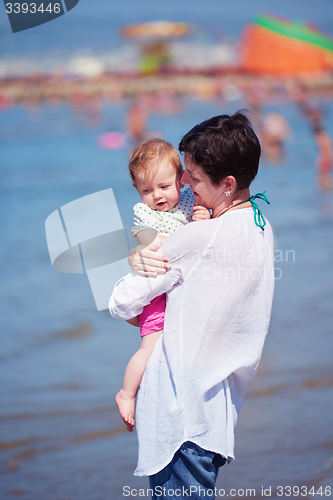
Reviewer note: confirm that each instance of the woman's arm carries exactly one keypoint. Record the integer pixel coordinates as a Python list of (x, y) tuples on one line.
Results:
[(133, 292), (133, 321), (146, 262), (144, 237)]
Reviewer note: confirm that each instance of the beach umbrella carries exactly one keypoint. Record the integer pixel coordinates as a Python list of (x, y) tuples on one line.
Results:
[(153, 38), (156, 29), (277, 46)]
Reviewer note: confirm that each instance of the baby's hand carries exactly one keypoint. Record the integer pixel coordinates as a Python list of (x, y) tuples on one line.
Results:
[(200, 213)]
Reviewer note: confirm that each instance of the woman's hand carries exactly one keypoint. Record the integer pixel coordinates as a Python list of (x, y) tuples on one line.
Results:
[(147, 263), (200, 213)]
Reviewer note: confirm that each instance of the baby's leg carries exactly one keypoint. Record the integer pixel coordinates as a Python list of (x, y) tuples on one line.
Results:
[(125, 399)]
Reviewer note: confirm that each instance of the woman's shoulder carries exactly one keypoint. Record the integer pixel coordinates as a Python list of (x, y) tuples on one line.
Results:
[(245, 216), (241, 225)]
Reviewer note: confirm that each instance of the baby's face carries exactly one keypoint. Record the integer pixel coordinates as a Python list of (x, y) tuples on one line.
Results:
[(160, 191)]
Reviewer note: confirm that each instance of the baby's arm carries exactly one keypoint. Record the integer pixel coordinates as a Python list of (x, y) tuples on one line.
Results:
[(151, 239), (151, 264), (200, 213)]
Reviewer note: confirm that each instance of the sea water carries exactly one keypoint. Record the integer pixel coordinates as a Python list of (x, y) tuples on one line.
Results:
[(62, 361)]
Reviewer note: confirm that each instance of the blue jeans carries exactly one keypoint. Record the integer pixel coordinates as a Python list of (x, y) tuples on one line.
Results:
[(191, 474)]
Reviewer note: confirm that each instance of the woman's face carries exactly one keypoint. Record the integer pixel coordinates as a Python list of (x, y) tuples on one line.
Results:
[(205, 192)]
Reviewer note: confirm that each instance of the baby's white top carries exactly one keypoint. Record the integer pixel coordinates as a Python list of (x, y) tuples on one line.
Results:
[(165, 223)]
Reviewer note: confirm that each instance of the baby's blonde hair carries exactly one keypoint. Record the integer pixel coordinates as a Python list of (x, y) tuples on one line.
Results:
[(146, 156)]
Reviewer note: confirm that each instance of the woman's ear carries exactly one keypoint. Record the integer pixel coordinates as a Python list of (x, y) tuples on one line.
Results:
[(230, 184)]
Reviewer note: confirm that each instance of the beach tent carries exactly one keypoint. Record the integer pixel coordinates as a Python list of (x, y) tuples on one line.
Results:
[(276, 46)]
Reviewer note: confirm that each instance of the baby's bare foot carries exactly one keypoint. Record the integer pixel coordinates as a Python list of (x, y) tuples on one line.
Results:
[(126, 407)]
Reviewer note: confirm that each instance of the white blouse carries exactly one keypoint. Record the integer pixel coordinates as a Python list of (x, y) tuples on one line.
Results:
[(219, 298)]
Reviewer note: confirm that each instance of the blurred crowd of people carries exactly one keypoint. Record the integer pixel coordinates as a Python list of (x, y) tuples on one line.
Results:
[(166, 94), (274, 130)]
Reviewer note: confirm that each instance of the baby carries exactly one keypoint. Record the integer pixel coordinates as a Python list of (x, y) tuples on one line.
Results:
[(156, 172)]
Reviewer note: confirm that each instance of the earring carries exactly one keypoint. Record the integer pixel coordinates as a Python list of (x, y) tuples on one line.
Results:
[(228, 193)]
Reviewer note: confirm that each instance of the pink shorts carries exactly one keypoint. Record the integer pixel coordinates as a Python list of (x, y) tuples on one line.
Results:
[(152, 317)]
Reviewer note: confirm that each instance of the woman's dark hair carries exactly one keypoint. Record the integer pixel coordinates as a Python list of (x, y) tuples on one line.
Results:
[(224, 145)]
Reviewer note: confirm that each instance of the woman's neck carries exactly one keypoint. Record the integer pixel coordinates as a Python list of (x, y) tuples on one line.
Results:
[(235, 203)]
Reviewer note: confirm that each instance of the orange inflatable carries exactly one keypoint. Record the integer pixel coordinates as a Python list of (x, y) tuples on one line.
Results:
[(270, 45)]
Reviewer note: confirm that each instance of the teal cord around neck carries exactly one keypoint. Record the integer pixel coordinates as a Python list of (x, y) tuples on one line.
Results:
[(258, 216)]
